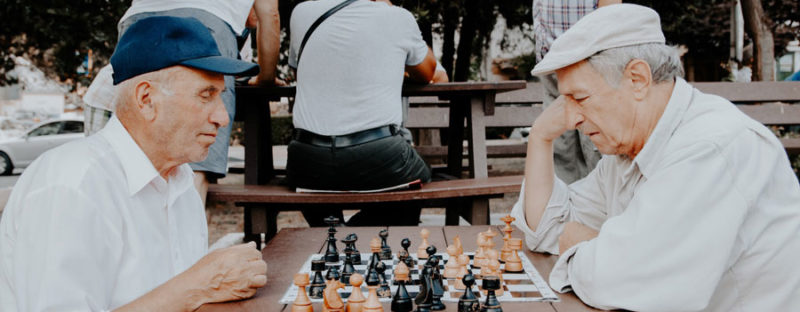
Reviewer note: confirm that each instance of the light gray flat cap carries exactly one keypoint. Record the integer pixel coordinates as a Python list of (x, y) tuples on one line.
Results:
[(612, 26)]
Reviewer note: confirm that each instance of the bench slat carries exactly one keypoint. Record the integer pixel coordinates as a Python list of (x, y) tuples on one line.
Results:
[(278, 194)]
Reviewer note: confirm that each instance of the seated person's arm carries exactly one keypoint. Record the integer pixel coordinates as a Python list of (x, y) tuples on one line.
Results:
[(223, 275), (440, 76), (423, 72), (269, 33)]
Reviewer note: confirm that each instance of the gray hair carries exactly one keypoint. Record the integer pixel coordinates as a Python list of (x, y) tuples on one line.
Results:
[(125, 89), (664, 61)]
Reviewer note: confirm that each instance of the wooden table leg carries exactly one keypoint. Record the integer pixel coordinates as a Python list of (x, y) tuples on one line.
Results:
[(476, 137), (258, 166)]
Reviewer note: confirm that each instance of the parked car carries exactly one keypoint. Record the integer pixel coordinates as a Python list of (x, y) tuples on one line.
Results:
[(19, 152)]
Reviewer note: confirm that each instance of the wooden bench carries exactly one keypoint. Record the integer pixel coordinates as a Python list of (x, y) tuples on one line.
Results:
[(520, 108), (265, 201)]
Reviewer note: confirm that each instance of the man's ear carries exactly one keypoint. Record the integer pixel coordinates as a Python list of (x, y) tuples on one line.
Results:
[(145, 104), (638, 72)]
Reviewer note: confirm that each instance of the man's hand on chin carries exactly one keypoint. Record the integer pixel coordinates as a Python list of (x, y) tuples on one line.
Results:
[(574, 233)]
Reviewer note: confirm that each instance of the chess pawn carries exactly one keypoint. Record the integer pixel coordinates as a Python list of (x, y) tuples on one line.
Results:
[(463, 263), (457, 243), (491, 283), (348, 269), (421, 254), (468, 302), (317, 282), (489, 234), (372, 304), (514, 263), (505, 252), (383, 288), (479, 259), (331, 301), (451, 268), (355, 303), (405, 243), (401, 302), (386, 251), (301, 303)]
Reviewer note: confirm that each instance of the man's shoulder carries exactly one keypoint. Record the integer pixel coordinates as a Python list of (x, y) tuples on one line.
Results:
[(73, 162)]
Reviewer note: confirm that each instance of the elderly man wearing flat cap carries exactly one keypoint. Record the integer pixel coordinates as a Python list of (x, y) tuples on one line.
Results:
[(694, 205), (113, 221)]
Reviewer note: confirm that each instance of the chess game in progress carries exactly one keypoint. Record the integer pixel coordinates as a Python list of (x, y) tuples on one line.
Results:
[(425, 280)]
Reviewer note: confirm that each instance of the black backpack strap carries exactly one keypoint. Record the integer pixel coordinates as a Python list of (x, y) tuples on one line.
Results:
[(317, 22)]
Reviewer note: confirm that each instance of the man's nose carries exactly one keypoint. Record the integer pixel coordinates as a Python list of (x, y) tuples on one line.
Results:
[(573, 114), (219, 117)]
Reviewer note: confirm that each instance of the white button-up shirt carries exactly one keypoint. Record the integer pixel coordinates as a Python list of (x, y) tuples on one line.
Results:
[(706, 217), (91, 225)]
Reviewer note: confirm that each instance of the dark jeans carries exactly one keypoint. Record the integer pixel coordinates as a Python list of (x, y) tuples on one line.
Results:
[(381, 163)]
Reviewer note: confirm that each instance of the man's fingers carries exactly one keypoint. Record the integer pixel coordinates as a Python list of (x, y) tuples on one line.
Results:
[(258, 281)]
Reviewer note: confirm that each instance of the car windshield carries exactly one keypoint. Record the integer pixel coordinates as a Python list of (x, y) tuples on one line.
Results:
[(48, 129)]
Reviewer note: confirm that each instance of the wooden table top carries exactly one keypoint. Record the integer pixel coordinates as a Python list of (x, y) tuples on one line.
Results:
[(286, 252)]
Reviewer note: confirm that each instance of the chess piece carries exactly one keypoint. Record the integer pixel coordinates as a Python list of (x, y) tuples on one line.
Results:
[(348, 269), (505, 252), (514, 262), (407, 243), (492, 268), (457, 243), (489, 234), (480, 255), (331, 300), (331, 253), (463, 263), (386, 251), (317, 282), (468, 302), (356, 253), (424, 298), (372, 304), (421, 249), (451, 268), (375, 247), (333, 273), (436, 280), (401, 302), (383, 288), (403, 257), (491, 283), (430, 251), (301, 303), (355, 303)]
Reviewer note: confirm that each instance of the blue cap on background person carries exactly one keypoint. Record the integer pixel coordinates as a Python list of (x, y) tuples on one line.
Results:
[(159, 42)]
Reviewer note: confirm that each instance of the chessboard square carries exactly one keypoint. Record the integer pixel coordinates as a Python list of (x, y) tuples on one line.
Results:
[(515, 276), (524, 294), (522, 288), (518, 282)]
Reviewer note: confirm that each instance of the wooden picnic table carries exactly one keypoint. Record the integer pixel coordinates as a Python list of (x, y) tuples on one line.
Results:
[(286, 253), (467, 100)]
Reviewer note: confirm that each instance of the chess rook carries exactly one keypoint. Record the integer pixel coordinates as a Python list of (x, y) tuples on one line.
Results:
[(331, 253), (317, 282), (491, 283), (514, 262)]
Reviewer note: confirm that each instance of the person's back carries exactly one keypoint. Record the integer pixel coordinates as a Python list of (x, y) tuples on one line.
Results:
[(348, 109), (351, 72)]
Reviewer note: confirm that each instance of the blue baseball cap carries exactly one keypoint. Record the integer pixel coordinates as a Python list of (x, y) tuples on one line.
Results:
[(158, 42)]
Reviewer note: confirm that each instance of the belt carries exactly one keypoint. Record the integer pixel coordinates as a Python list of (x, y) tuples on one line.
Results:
[(346, 140)]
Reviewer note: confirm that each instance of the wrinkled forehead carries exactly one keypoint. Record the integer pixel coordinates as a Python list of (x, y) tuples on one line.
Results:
[(579, 78)]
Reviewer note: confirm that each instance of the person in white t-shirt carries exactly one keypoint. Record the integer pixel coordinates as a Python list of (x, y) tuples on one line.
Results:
[(228, 21), (348, 111), (112, 221)]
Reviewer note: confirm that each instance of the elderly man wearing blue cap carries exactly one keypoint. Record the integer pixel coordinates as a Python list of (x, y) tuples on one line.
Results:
[(113, 221), (694, 205)]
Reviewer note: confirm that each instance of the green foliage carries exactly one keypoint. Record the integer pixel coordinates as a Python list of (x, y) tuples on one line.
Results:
[(55, 35)]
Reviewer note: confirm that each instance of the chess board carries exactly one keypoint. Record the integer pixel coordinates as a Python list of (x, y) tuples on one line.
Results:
[(527, 286)]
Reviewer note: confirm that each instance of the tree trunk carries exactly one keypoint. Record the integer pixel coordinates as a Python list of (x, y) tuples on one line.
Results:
[(466, 37), (758, 26), (450, 20)]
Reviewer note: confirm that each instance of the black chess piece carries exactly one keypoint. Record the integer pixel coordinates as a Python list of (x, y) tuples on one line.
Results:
[(347, 244), (356, 253), (468, 301), (331, 253), (491, 283), (401, 302), (317, 284), (383, 291), (386, 251), (436, 281), (348, 269), (333, 273), (407, 243), (431, 251), (374, 259), (424, 298)]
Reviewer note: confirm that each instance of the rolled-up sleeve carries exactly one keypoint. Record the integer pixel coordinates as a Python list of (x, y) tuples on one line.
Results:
[(580, 201), (673, 241)]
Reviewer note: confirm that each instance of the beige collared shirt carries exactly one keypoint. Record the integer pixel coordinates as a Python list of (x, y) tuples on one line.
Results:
[(706, 217), (91, 225)]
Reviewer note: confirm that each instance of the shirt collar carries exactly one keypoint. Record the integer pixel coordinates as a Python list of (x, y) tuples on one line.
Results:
[(139, 170), (673, 114)]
